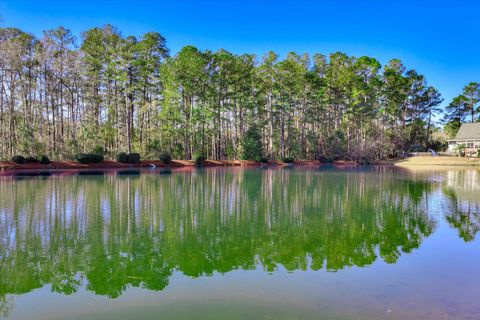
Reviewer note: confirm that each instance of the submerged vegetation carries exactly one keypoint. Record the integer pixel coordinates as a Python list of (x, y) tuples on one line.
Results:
[(61, 97)]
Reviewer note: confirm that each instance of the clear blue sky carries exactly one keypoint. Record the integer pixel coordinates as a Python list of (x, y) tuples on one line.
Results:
[(440, 39)]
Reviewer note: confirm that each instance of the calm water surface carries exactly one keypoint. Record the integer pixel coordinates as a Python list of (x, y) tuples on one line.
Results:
[(271, 243)]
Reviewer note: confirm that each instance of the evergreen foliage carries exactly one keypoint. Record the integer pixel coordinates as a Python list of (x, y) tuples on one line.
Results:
[(252, 145), (87, 158), (121, 157), (165, 157), (199, 160), (19, 159), (133, 158), (110, 92), (32, 160), (288, 160), (44, 160)]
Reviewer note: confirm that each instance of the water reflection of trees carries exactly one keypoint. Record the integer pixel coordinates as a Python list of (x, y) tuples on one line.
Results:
[(462, 189), (117, 231)]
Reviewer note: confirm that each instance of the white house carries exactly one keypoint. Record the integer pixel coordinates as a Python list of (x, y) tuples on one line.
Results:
[(469, 136)]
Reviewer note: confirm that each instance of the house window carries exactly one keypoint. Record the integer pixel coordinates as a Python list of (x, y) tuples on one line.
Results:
[(477, 144), (452, 143), (470, 144)]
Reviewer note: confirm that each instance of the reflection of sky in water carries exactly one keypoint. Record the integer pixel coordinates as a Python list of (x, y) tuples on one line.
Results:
[(439, 279)]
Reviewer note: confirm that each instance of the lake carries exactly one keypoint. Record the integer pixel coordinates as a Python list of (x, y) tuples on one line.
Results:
[(241, 243)]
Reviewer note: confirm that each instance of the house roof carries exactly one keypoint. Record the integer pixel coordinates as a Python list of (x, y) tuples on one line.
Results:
[(468, 131)]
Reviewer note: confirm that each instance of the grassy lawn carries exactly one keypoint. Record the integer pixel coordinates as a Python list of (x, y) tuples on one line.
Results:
[(438, 161)]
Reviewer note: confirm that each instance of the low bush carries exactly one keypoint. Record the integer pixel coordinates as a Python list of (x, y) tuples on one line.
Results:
[(288, 160), (417, 148), (165, 157), (133, 158), (86, 158), (324, 159), (199, 160), (19, 159), (264, 159), (98, 150), (31, 160), (364, 161), (121, 157), (44, 160)]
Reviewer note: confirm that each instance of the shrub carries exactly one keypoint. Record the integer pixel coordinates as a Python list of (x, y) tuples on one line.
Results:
[(165, 157), (336, 144), (86, 158), (364, 160), (121, 157), (133, 158), (288, 160), (98, 150), (19, 159), (264, 159), (459, 149), (44, 160), (199, 160), (252, 144), (152, 148), (325, 159), (417, 148), (31, 160)]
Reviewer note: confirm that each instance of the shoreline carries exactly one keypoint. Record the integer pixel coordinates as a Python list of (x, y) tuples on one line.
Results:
[(438, 161), (8, 166), (110, 164), (411, 162)]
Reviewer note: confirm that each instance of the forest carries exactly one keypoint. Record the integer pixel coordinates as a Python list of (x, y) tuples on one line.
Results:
[(110, 93)]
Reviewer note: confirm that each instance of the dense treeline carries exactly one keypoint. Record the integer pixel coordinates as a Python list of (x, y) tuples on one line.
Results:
[(464, 107), (120, 93)]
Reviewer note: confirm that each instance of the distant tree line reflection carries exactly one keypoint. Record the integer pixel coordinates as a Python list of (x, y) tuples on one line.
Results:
[(114, 231)]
